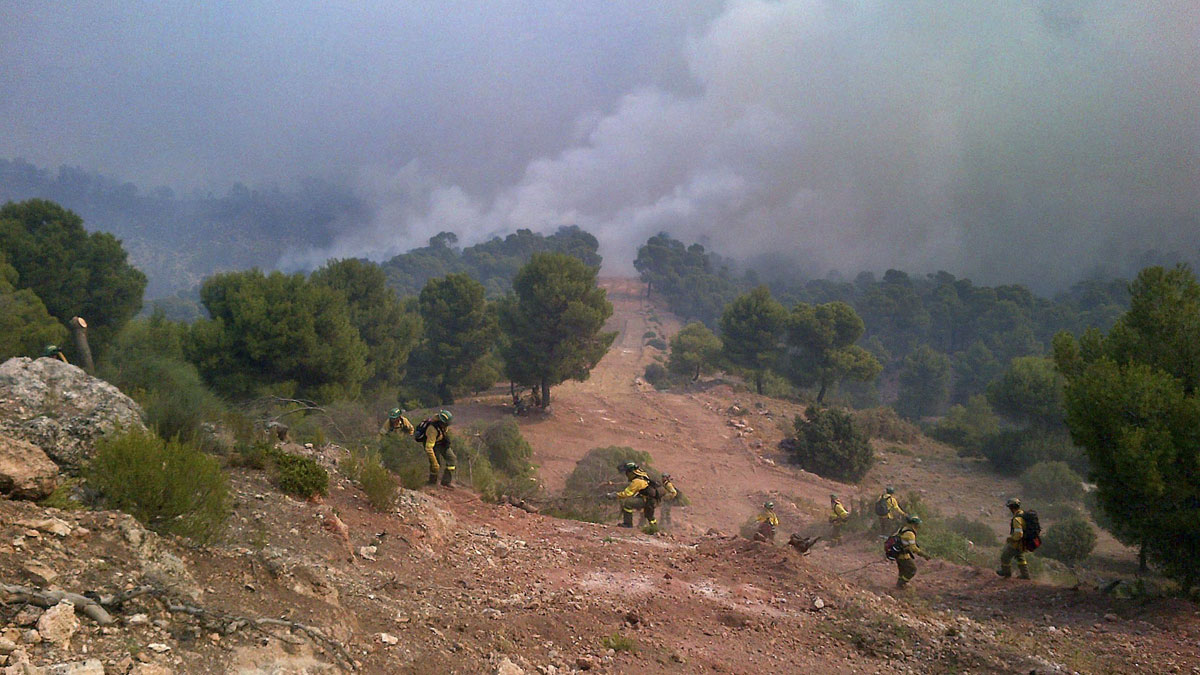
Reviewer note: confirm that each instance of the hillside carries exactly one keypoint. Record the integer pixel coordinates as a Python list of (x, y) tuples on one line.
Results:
[(453, 584)]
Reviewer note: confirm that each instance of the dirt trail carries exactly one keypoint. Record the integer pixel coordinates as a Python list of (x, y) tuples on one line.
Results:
[(687, 434)]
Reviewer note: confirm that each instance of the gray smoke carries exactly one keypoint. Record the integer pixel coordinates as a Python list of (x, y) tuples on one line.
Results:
[(1029, 141)]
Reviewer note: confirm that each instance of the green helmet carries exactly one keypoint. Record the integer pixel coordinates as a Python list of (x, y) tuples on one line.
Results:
[(627, 467), (833, 497), (51, 350), (891, 490), (444, 416), (769, 505), (1013, 502), (395, 413), (914, 520)]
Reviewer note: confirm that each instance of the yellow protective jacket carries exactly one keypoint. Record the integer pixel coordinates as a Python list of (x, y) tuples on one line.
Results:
[(908, 542), (893, 507), (669, 487), (638, 480), (434, 434), (838, 513), (1016, 530), (768, 517), (401, 424)]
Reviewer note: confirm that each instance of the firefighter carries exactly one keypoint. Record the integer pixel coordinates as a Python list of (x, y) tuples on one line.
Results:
[(641, 493), (54, 352), (1014, 546), (670, 494), (906, 567), (768, 523), (397, 422), (838, 516), (437, 445), (888, 510)]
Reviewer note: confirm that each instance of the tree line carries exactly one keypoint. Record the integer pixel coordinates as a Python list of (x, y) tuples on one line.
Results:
[(338, 333), (937, 332)]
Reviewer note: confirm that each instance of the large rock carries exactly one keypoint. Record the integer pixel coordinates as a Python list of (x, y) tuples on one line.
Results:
[(25, 471), (61, 409), (58, 623)]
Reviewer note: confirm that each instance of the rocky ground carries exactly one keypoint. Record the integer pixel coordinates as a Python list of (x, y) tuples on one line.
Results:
[(446, 583)]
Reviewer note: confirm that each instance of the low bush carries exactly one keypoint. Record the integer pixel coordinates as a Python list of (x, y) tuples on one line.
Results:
[(884, 423), (830, 445), (1069, 541), (1052, 482), (252, 455), (657, 343), (376, 481), (299, 476), (966, 426), (649, 335), (170, 486), (976, 531), (657, 375)]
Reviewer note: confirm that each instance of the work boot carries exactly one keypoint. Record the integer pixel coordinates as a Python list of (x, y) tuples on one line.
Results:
[(447, 477), (432, 478), (1004, 573), (628, 520), (1023, 572)]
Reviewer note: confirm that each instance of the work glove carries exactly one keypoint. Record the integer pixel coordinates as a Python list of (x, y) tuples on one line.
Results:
[(610, 495)]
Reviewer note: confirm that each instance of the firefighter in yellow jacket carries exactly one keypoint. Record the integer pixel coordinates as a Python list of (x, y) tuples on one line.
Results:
[(670, 494), (641, 493), (893, 511), (905, 566), (768, 524), (838, 516), (397, 422), (1014, 546), (437, 445)]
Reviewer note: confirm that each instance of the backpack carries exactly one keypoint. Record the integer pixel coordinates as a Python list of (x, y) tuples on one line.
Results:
[(892, 548), (420, 431), (653, 491), (881, 506), (1032, 537)]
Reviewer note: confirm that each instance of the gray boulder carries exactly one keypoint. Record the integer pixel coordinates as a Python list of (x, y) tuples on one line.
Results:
[(60, 408)]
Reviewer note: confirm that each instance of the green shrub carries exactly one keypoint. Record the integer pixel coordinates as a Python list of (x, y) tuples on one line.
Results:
[(299, 476), (375, 480), (63, 497), (976, 531), (253, 455), (657, 343), (405, 458), (1069, 541), (170, 486), (966, 427), (829, 445), (506, 449), (657, 375), (1052, 482), (939, 541), (618, 643), (1012, 451), (884, 423), (649, 335)]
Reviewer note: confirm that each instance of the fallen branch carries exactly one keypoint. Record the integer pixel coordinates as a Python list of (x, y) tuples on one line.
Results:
[(227, 623), (231, 622), (12, 594)]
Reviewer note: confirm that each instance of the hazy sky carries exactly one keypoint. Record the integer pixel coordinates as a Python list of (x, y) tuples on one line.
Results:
[(1008, 141)]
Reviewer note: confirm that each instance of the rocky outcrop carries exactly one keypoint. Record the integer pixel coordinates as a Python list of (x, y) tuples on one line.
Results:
[(25, 471), (60, 408)]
